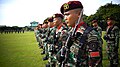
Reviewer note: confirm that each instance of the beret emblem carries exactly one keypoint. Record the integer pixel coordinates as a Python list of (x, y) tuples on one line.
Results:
[(66, 6)]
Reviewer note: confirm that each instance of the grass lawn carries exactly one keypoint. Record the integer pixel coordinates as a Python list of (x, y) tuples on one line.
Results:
[(21, 50)]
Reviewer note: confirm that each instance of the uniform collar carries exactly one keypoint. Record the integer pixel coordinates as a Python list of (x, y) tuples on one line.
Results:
[(59, 26)]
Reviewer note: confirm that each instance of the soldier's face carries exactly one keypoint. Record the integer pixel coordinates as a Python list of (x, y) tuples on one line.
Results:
[(44, 26), (56, 21), (71, 17), (51, 24), (110, 22), (39, 26), (94, 24)]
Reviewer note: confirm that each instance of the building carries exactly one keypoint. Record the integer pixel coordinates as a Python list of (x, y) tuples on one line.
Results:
[(33, 24)]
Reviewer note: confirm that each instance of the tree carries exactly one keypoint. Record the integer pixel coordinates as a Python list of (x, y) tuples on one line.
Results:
[(108, 10)]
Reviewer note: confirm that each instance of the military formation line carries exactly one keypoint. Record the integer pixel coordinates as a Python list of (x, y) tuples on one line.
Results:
[(73, 43)]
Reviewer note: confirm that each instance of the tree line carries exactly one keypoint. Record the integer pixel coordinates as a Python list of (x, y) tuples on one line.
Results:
[(108, 10), (6, 29)]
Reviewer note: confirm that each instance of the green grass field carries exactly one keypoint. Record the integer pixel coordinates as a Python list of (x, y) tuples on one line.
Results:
[(21, 50)]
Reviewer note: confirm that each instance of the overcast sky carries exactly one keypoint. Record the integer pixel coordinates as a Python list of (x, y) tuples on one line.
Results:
[(22, 12)]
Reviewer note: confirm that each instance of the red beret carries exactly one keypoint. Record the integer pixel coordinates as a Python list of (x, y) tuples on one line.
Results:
[(110, 18), (94, 21), (45, 21), (58, 15), (71, 5), (50, 19), (39, 24)]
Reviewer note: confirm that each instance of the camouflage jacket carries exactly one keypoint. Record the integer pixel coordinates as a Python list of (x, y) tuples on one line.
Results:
[(83, 44), (112, 35), (99, 30), (51, 35)]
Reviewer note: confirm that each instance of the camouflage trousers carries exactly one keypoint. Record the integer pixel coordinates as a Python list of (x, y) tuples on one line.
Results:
[(112, 52)]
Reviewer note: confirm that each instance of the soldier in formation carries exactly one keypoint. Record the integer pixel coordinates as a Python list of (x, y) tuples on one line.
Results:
[(112, 39), (97, 27), (99, 30), (83, 47), (72, 43)]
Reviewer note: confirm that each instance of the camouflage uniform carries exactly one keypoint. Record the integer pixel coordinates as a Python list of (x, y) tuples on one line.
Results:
[(96, 27), (44, 39), (83, 48), (99, 30), (112, 39), (36, 33), (40, 37), (94, 44), (62, 37), (51, 39), (50, 45), (54, 36)]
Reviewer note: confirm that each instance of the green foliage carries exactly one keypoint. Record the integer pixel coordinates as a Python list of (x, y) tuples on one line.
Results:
[(108, 10)]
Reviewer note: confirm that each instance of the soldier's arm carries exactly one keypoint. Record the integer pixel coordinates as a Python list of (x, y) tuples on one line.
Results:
[(116, 33), (100, 31)]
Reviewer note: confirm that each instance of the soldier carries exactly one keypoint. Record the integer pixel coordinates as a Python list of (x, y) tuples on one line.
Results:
[(58, 21), (99, 30), (49, 37), (38, 36), (43, 35), (83, 46), (51, 42), (55, 44), (112, 39), (36, 32), (44, 38), (96, 27)]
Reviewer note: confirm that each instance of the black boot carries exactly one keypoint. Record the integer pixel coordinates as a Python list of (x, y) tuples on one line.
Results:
[(47, 65), (43, 52), (53, 65), (111, 65), (115, 65), (41, 47), (45, 58)]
